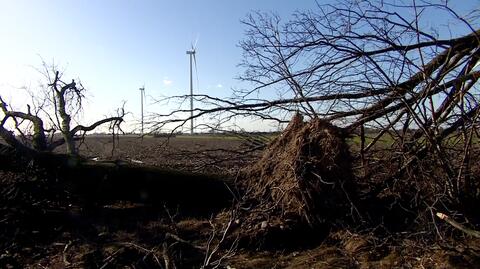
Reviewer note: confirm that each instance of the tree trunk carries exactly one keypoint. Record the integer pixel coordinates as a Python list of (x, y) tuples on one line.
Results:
[(39, 141), (65, 124)]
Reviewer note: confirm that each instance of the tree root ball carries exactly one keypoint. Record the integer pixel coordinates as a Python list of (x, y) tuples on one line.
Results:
[(304, 178)]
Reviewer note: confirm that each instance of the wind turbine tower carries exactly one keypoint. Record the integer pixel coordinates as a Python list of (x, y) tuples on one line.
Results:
[(142, 95), (192, 57)]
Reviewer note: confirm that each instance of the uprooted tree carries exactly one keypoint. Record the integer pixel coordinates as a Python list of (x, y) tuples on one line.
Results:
[(51, 111), (377, 70)]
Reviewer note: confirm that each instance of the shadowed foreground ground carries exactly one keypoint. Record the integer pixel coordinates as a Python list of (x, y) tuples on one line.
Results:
[(122, 214)]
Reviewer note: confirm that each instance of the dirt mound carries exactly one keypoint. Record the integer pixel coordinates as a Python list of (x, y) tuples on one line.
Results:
[(304, 178)]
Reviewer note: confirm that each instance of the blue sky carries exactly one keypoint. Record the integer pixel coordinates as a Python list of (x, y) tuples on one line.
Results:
[(115, 47)]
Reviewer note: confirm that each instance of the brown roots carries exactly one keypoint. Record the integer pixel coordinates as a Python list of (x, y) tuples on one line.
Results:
[(303, 179)]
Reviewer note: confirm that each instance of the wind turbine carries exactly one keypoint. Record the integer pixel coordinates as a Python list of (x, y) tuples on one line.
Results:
[(142, 96), (192, 53)]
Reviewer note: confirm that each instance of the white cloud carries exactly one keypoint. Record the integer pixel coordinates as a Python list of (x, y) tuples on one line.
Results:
[(167, 81), (219, 85)]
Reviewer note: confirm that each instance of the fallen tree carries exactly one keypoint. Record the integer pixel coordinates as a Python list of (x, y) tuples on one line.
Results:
[(51, 112), (408, 94)]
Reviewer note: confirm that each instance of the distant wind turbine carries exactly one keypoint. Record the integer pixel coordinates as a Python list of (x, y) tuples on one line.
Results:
[(142, 96), (192, 53)]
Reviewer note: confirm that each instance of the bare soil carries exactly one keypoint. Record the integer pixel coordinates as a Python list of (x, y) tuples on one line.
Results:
[(211, 154)]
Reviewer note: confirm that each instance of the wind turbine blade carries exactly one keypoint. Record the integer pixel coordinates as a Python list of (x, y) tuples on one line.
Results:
[(195, 44), (196, 70)]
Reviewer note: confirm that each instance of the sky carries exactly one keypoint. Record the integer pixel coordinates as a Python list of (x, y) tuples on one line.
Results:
[(117, 46)]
